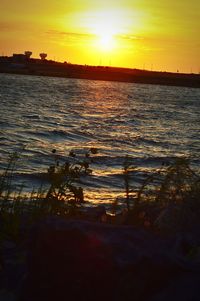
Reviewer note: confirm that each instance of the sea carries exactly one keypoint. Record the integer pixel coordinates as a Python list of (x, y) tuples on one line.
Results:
[(145, 124)]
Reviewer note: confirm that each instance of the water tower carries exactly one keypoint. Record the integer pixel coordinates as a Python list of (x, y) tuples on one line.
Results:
[(28, 54), (43, 56)]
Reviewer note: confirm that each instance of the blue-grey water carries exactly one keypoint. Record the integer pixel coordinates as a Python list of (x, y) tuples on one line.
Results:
[(150, 123)]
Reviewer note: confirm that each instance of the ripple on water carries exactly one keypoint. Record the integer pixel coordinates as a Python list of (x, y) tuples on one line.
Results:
[(149, 123)]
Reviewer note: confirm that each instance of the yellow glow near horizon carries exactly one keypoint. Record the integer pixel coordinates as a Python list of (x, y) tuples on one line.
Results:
[(127, 33)]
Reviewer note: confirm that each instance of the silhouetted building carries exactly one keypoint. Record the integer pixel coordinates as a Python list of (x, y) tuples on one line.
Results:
[(28, 54), (5, 59), (19, 58)]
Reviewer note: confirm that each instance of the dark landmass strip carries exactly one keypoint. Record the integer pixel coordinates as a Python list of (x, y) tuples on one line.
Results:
[(67, 70)]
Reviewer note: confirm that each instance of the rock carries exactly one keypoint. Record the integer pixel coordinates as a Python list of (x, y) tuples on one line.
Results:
[(79, 260)]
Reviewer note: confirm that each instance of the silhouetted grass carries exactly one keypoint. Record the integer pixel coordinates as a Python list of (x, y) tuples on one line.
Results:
[(64, 197), (166, 199)]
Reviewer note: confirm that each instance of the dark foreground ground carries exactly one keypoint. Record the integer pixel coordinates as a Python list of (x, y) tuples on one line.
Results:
[(55, 69), (81, 260)]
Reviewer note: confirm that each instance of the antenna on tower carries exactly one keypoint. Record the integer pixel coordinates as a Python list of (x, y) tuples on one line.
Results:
[(43, 56)]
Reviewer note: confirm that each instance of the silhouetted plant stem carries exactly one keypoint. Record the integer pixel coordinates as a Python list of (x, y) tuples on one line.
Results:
[(127, 181)]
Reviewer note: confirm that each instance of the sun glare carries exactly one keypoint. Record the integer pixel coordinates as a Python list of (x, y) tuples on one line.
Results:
[(106, 26), (106, 41), (104, 33)]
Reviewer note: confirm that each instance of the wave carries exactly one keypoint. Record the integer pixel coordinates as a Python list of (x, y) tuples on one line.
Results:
[(150, 124)]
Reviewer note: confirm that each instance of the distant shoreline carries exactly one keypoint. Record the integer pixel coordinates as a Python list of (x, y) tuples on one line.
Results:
[(65, 70)]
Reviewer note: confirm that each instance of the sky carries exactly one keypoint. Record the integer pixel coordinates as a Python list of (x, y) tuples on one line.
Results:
[(147, 34)]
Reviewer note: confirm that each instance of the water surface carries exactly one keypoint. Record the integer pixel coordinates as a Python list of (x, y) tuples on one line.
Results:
[(150, 123)]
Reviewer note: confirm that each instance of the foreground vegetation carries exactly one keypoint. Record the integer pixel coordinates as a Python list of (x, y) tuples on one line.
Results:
[(167, 200)]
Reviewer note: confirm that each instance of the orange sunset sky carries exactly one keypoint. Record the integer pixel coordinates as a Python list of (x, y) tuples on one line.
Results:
[(147, 34)]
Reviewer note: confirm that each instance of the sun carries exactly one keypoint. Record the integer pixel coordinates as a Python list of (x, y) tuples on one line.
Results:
[(106, 41), (106, 26), (105, 35)]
